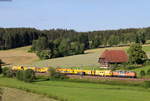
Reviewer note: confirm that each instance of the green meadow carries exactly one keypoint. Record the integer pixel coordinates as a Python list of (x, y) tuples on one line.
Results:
[(77, 91)]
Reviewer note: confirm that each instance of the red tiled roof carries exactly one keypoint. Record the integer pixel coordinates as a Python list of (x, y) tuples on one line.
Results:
[(117, 56)]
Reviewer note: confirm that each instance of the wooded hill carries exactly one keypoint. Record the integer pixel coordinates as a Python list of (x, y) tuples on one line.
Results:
[(17, 37)]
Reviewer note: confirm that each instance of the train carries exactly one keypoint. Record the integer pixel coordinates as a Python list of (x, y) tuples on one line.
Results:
[(102, 73), (69, 71)]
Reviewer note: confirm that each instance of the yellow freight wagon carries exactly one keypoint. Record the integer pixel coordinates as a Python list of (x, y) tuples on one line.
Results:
[(65, 71), (103, 72), (44, 69), (77, 71), (17, 68)]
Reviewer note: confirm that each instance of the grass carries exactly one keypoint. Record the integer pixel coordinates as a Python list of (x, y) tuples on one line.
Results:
[(73, 91)]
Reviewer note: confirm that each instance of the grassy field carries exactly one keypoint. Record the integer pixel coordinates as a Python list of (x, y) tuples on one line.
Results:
[(73, 91), (12, 94), (18, 56)]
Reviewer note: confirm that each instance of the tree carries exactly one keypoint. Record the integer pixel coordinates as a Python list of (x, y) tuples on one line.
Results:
[(113, 40), (94, 42), (40, 44), (1, 66), (137, 39), (136, 54), (44, 54), (83, 38), (76, 48), (141, 33), (64, 47)]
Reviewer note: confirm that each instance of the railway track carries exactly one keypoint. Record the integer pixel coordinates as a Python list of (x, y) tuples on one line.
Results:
[(87, 77), (106, 78)]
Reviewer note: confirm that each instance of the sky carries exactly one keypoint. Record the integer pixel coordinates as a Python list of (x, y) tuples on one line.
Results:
[(80, 15)]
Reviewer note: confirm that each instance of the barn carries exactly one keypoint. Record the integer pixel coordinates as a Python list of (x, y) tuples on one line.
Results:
[(109, 57)]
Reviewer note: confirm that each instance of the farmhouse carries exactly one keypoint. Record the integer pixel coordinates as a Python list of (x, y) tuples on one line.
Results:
[(109, 57)]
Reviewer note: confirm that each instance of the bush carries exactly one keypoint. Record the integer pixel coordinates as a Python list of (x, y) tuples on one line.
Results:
[(53, 74), (29, 75), (19, 75), (1, 69), (4, 71), (10, 73), (148, 72), (142, 73), (147, 84)]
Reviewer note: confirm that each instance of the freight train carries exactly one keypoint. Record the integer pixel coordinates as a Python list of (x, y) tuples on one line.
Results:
[(67, 71)]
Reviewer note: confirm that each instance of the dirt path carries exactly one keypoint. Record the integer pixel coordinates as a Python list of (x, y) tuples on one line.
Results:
[(12, 94)]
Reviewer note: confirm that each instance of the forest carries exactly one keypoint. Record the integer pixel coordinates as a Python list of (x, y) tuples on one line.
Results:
[(62, 42)]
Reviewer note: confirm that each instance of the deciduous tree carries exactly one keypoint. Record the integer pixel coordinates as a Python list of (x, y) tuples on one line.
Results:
[(136, 54)]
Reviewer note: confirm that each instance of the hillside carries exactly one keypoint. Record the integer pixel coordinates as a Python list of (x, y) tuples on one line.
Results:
[(17, 56), (89, 59), (20, 56)]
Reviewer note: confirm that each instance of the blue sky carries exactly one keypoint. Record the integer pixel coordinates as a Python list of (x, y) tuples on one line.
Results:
[(81, 15)]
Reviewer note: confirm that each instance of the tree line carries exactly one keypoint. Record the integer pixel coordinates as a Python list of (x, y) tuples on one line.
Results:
[(17, 37), (62, 42)]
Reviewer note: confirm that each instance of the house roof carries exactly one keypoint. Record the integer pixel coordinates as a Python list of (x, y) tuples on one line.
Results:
[(114, 56)]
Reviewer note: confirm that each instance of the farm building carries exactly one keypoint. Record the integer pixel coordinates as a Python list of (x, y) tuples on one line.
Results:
[(109, 57)]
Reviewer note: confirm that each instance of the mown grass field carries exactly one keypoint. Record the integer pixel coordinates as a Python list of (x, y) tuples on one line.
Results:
[(73, 91), (18, 56)]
